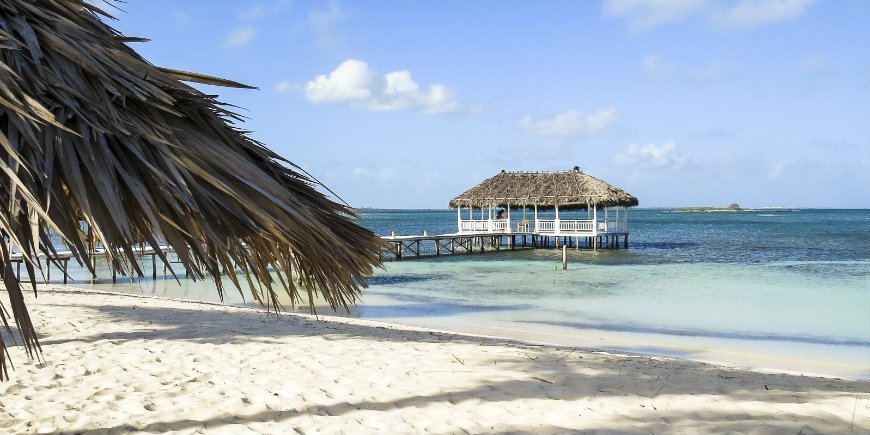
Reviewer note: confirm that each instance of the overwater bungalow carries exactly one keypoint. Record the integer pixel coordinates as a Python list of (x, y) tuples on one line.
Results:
[(513, 202)]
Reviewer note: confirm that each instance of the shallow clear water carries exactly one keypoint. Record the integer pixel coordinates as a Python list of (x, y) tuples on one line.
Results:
[(783, 290)]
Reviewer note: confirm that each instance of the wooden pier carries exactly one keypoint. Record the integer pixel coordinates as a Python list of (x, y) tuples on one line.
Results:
[(414, 246), (399, 248), (62, 259)]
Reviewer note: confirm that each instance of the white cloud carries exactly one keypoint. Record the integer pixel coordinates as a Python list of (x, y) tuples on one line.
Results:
[(381, 175), (262, 10), (741, 15), (752, 14), (655, 66), (254, 12), (354, 83), (776, 170), (180, 17), (570, 123), (652, 156), (814, 67), (351, 81), (323, 24), (285, 86), (240, 36), (646, 14), (322, 20), (712, 71)]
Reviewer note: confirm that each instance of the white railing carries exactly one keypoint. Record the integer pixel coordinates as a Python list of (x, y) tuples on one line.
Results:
[(612, 226), (500, 226), (524, 226), (546, 226), (584, 226), (473, 226), (572, 226), (484, 226)]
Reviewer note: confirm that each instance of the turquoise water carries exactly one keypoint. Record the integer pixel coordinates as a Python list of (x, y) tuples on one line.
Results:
[(780, 290)]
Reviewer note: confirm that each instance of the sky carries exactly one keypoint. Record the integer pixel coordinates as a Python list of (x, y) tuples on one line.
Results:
[(406, 104)]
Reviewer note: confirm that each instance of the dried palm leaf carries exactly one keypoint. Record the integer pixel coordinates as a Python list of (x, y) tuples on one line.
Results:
[(91, 132)]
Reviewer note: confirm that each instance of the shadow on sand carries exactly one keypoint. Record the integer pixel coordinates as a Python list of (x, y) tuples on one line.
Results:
[(550, 377)]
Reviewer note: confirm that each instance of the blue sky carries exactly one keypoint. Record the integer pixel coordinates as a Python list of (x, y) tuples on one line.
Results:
[(405, 104)]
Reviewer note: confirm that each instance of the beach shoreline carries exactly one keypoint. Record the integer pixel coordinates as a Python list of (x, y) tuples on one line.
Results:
[(120, 363)]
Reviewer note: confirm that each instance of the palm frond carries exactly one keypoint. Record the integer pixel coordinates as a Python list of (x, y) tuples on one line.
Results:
[(93, 133)]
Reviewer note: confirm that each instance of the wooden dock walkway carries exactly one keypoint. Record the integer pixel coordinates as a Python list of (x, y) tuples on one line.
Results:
[(398, 248), (466, 243), (62, 258)]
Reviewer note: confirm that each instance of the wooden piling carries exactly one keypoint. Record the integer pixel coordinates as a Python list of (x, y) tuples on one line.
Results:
[(564, 257)]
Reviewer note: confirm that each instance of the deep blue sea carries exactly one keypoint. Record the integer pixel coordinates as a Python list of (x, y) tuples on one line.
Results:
[(780, 290)]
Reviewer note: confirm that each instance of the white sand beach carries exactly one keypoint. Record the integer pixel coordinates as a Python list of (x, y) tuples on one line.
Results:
[(124, 363)]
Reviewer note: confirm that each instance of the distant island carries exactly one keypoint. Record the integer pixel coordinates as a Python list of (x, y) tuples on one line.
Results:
[(731, 208)]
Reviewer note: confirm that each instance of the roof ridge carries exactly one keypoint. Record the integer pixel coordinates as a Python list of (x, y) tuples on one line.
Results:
[(571, 189), (567, 171)]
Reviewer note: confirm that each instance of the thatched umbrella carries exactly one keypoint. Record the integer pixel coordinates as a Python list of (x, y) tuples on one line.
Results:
[(93, 133), (567, 189)]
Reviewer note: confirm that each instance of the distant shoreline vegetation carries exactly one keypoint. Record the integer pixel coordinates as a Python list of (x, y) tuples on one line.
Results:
[(667, 209), (731, 208)]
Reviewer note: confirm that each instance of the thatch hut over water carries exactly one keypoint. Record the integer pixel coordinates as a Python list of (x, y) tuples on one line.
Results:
[(93, 133), (558, 191)]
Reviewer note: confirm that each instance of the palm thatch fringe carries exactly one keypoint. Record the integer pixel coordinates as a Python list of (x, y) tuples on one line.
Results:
[(93, 133), (568, 189)]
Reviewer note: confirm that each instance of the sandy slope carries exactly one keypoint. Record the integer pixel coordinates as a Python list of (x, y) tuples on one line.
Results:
[(120, 363)]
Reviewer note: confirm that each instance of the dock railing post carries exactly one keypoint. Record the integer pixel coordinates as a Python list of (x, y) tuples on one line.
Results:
[(595, 227)]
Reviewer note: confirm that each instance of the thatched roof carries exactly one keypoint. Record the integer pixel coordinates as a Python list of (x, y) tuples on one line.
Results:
[(90, 131), (568, 189)]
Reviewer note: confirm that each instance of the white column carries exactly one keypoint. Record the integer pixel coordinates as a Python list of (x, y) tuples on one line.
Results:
[(595, 220), (459, 218), (508, 211), (489, 219), (605, 218), (536, 219), (556, 221)]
